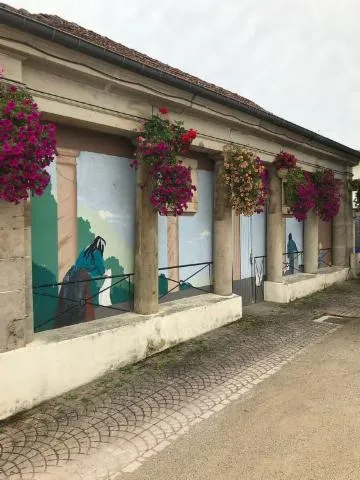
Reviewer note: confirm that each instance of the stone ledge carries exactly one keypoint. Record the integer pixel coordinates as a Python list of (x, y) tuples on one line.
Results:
[(303, 284), (61, 360)]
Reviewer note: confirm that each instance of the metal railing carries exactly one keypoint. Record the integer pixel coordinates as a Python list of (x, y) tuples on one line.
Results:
[(259, 275), (184, 284), (77, 306), (325, 257), (293, 263)]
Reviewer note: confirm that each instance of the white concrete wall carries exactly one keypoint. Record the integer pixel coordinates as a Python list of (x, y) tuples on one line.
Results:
[(61, 360), (298, 286)]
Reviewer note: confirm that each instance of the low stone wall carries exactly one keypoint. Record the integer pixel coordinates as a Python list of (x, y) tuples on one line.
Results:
[(355, 265), (301, 285), (15, 276), (61, 360)]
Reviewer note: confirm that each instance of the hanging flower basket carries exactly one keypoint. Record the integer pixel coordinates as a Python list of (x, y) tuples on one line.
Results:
[(300, 193), (282, 173), (246, 181), (173, 189), (27, 146), (318, 191), (328, 196), (160, 143), (284, 162)]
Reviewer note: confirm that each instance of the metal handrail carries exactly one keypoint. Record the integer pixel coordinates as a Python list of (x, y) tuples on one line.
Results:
[(85, 301), (296, 256), (179, 283), (321, 260)]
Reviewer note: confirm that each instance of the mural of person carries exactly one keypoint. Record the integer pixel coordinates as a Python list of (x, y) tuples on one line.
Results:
[(292, 250), (78, 285)]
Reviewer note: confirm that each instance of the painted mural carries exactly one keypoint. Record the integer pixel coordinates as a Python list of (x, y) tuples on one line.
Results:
[(87, 216), (252, 242), (162, 255), (293, 244), (195, 235), (44, 243)]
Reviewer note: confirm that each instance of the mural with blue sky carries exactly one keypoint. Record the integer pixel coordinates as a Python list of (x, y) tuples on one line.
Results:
[(195, 233)]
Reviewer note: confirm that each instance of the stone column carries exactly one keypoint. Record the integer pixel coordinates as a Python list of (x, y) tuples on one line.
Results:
[(16, 319), (275, 238), (311, 243), (223, 247), (67, 209), (342, 227), (146, 299)]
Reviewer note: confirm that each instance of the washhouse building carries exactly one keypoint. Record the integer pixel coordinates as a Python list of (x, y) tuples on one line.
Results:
[(356, 176), (160, 280)]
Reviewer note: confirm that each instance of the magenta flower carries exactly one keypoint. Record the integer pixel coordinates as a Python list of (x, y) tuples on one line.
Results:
[(26, 147)]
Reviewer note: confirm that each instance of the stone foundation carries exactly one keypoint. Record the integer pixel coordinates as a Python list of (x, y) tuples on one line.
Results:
[(15, 276), (301, 285), (61, 360)]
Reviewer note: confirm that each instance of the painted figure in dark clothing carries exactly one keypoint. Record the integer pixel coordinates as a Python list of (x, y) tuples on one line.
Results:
[(292, 250), (78, 286)]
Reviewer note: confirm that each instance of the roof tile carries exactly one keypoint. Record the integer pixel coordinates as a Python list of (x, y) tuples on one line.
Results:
[(82, 33)]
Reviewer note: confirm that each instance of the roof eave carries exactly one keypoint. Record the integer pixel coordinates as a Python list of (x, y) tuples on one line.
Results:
[(40, 29)]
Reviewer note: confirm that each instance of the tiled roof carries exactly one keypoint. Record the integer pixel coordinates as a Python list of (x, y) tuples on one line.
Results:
[(108, 44), (167, 73)]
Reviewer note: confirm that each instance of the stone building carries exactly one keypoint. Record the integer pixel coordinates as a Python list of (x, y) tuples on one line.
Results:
[(97, 91)]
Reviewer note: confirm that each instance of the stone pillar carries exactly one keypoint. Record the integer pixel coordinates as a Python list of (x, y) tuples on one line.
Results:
[(173, 252), (311, 243), (342, 230), (275, 238), (223, 247), (146, 299), (67, 209), (16, 320)]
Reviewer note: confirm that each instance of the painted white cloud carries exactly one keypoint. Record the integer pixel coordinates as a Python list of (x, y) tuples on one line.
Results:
[(106, 215), (205, 234)]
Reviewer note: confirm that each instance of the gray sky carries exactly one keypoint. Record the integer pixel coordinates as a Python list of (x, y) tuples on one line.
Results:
[(299, 59)]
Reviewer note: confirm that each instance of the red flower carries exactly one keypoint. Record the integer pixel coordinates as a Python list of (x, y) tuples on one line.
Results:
[(192, 134), (163, 110)]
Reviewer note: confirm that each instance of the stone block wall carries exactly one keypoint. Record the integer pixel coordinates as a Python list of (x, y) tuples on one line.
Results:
[(16, 327)]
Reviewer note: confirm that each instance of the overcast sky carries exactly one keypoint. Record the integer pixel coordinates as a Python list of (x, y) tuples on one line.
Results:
[(299, 59)]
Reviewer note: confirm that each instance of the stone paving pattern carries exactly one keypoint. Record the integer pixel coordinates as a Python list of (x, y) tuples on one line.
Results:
[(109, 427)]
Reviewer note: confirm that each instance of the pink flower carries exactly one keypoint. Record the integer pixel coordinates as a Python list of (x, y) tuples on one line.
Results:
[(9, 107)]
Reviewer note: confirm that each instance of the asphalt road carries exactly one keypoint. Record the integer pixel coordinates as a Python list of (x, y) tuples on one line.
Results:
[(303, 423)]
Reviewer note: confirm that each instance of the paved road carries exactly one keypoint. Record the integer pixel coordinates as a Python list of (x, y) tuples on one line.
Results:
[(187, 413), (301, 424)]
